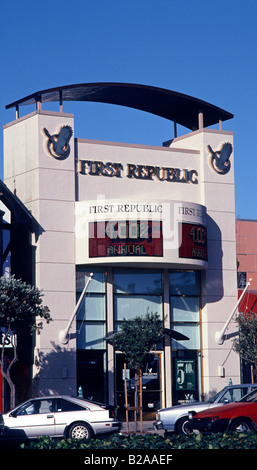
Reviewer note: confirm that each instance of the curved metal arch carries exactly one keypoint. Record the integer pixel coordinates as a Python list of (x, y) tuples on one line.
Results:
[(171, 105)]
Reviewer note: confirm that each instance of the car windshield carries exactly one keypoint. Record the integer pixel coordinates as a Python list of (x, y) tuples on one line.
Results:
[(213, 399), (250, 397)]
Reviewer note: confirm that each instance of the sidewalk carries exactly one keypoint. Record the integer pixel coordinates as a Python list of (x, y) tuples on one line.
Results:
[(147, 428)]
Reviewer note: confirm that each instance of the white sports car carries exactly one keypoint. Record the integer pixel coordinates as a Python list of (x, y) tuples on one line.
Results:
[(60, 416)]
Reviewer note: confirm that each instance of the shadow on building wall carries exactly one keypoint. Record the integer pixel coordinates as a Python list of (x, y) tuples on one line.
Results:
[(56, 369), (213, 285)]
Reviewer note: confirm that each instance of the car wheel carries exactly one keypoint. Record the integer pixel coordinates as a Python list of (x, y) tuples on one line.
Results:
[(240, 425), (182, 426), (80, 431)]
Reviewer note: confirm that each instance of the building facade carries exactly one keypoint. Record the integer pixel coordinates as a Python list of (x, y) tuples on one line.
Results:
[(155, 226)]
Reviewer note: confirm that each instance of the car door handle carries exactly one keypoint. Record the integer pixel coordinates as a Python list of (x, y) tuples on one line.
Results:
[(50, 416)]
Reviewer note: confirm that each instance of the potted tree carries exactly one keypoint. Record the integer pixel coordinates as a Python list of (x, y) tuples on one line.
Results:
[(20, 306), (137, 340), (246, 343)]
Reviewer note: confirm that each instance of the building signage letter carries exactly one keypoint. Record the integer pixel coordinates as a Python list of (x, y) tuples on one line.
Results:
[(139, 172)]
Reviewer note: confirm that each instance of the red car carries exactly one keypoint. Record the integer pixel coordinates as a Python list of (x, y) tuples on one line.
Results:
[(238, 416)]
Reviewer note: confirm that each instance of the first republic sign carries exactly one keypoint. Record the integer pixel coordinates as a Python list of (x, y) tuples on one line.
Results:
[(139, 172)]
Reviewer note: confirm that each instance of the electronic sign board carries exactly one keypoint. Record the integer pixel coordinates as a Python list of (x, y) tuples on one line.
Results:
[(194, 241), (125, 238)]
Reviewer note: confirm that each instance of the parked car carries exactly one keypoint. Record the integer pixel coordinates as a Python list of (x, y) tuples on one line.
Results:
[(175, 418), (240, 416), (2, 426), (60, 416)]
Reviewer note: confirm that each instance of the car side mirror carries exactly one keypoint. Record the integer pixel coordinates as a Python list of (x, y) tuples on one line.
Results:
[(13, 414)]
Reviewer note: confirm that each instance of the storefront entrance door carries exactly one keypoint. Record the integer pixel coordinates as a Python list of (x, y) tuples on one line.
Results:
[(91, 374), (152, 387)]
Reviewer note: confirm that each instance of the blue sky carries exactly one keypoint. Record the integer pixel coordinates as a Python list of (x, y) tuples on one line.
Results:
[(202, 48)]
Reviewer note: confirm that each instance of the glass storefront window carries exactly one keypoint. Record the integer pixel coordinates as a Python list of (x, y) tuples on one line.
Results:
[(91, 317), (136, 293), (97, 283), (137, 281), (91, 335), (92, 308), (192, 331), (184, 283), (184, 309), (185, 318), (133, 306)]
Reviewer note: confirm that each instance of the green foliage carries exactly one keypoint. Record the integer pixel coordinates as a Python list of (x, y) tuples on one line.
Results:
[(246, 343), (20, 307), (137, 338), (20, 304), (152, 441)]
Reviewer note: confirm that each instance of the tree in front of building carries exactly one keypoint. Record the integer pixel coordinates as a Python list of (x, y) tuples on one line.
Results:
[(21, 306), (137, 339), (246, 343)]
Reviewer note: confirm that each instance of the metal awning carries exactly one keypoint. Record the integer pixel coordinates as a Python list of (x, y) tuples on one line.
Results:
[(248, 303), (166, 331), (175, 335), (177, 107)]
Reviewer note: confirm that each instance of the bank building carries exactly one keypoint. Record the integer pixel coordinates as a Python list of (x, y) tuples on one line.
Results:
[(135, 229)]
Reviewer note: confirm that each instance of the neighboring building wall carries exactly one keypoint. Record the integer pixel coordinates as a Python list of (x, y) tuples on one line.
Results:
[(246, 249)]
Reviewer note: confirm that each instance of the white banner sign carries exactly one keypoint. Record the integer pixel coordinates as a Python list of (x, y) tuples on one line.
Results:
[(8, 340)]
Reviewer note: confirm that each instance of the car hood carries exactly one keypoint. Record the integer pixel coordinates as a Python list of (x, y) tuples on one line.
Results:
[(218, 410), (189, 407)]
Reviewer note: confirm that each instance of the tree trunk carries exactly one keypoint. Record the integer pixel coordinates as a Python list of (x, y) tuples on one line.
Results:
[(126, 395), (252, 375), (253, 369), (141, 400), (7, 374), (136, 400)]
